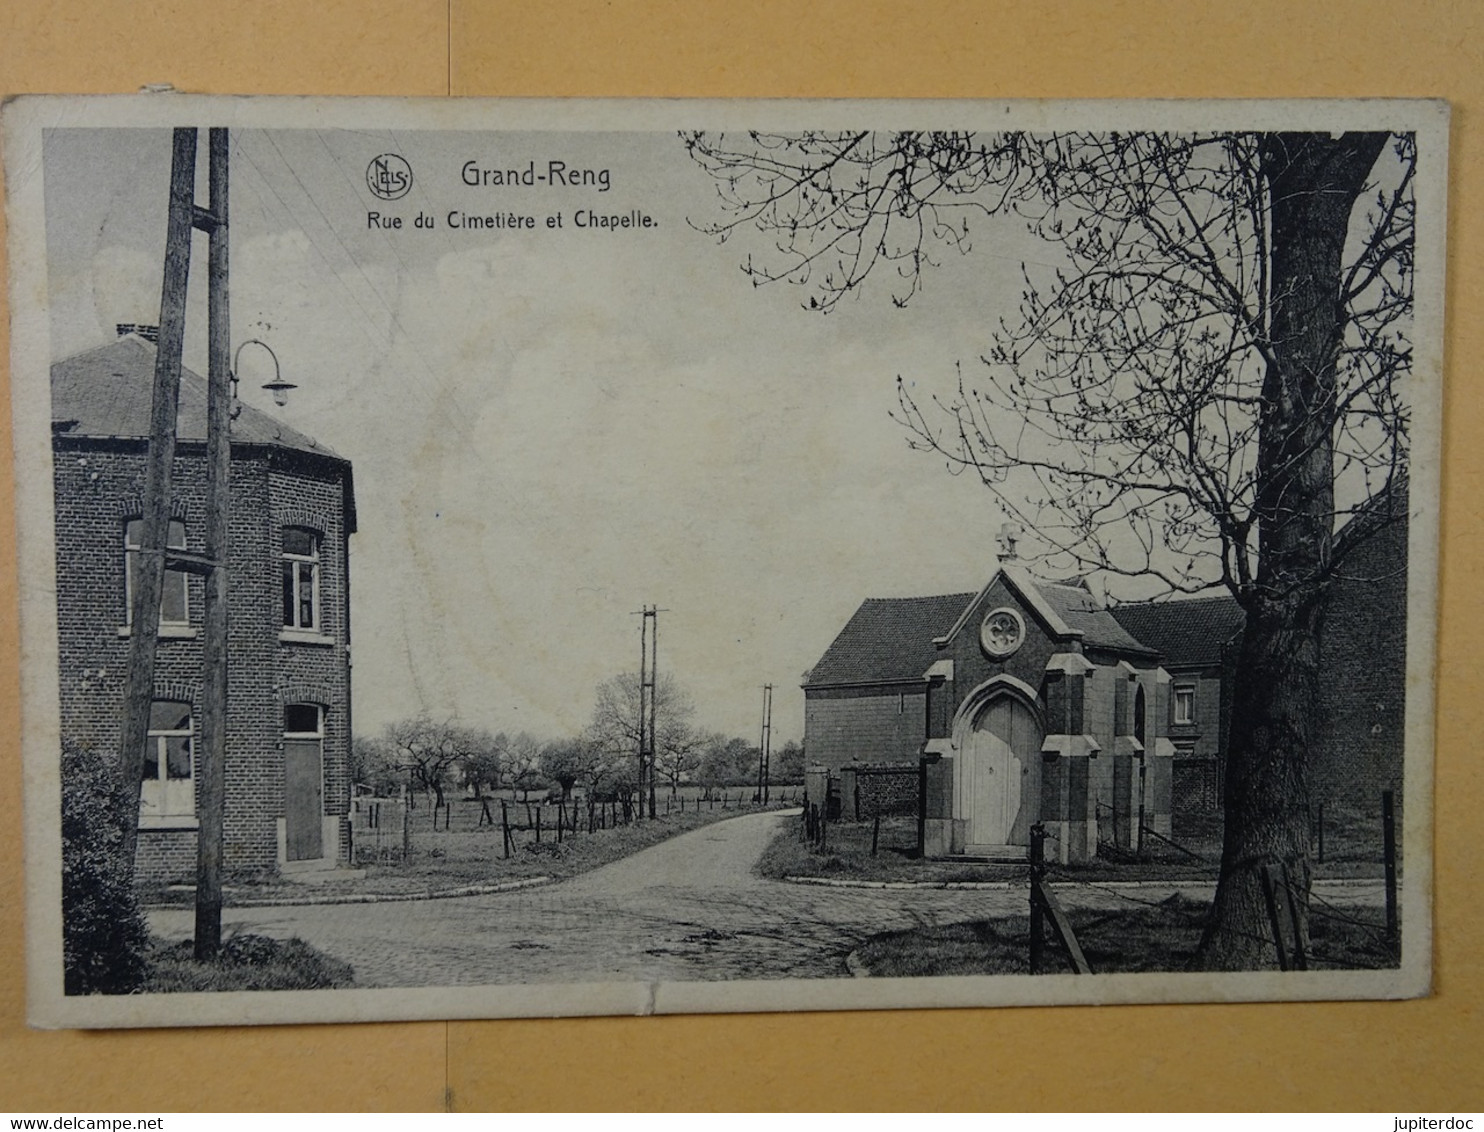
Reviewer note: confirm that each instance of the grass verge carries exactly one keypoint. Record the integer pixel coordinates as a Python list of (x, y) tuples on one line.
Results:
[(1140, 939), (442, 860), (1352, 850), (246, 962)]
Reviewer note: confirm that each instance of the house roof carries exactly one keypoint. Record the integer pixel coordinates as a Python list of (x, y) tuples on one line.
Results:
[(106, 393), (1189, 632), (889, 639)]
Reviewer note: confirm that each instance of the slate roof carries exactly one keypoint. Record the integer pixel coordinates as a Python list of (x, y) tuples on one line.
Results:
[(1189, 632), (1080, 610), (106, 392), (889, 639)]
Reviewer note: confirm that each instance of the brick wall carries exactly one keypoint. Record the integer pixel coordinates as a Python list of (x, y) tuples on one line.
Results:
[(99, 485), (847, 725), (1362, 658)]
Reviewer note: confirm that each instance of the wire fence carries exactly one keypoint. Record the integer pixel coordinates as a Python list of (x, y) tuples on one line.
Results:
[(387, 830), (1305, 930)]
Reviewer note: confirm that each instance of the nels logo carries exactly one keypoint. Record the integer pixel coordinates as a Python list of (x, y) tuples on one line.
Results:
[(389, 176)]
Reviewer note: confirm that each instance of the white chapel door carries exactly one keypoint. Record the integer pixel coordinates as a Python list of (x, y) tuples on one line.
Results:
[(1005, 740)]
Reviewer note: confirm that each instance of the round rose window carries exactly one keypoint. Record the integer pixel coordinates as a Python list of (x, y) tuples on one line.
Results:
[(1002, 632)]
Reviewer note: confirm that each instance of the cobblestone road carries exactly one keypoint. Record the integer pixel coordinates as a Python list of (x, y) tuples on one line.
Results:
[(689, 908)]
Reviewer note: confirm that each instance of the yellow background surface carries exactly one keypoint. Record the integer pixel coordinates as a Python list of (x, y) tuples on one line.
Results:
[(1384, 1056)]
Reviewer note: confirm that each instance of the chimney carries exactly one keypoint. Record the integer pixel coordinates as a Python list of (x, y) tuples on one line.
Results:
[(149, 333)]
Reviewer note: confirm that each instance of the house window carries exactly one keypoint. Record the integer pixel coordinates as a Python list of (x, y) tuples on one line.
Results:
[(1184, 703), (300, 579), (169, 788), (1139, 714), (302, 721), (174, 596)]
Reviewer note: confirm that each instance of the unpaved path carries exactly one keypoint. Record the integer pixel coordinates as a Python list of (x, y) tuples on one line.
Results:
[(689, 908)]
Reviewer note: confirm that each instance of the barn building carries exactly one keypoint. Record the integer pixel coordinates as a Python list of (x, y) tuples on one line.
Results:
[(289, 703)]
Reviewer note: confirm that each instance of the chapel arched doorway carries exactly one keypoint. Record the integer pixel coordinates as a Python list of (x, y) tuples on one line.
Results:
[(1003, 754)]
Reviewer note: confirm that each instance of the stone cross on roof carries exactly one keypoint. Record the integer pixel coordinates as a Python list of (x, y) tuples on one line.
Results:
[(1010, 534)]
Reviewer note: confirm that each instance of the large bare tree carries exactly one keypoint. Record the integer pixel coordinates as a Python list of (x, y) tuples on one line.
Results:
[(1201, 389)]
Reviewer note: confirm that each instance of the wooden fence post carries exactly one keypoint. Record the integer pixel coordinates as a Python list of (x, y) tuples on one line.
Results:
[(1275, 921), (505, 826), (1300, 960), (1388, 840), (538, 823), (1038, 873), (1139, 844)]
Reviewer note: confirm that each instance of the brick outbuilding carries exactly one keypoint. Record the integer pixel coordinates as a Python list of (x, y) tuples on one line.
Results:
[(289, 701)]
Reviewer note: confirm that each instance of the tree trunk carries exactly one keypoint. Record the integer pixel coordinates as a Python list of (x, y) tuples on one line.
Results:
[(1313, 181)]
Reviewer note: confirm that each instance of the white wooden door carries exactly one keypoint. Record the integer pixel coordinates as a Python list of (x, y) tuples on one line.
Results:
[(1005, 738)]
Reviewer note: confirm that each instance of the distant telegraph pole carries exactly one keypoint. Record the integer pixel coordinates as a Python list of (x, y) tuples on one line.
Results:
[(764, 755), (649, 652)]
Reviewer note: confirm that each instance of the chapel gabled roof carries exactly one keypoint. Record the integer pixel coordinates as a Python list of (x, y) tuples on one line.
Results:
[(1187, 632), (106, 392), (1068, 609), (892, 640)]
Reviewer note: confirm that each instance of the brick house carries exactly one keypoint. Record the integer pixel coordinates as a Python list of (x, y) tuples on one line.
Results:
[(1069, 702), (289, 703), (1197, 639)]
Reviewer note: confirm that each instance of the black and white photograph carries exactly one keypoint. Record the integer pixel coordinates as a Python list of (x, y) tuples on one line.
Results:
[(506, 558)]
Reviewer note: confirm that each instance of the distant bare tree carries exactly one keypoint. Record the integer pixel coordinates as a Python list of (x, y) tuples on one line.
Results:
[(482, 763), (428, 751), (522, 762), (615, 726)]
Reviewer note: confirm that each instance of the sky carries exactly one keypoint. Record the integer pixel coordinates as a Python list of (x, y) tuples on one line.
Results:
[(553, 427)]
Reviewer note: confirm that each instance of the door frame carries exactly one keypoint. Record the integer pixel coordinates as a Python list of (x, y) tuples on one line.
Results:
[(964, 720), (304, 737)]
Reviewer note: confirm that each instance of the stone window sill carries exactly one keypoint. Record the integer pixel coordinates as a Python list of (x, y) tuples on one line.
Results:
[(167, 821), (169, 632), (304, 637)]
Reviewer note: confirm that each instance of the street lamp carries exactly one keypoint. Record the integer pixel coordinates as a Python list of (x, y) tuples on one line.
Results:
[(278, 386)]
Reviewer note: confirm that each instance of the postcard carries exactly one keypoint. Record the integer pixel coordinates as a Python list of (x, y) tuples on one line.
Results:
[(530, 558)]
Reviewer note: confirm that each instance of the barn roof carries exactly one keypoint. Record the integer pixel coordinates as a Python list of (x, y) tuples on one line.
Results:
[(106, 393), (1188, 632), (889, 639)]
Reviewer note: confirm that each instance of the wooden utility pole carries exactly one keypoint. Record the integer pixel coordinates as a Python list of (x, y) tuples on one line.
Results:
[(654, 670), (764, 742), (149, 563), (646, 688), (154, 557), (211, 760)]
